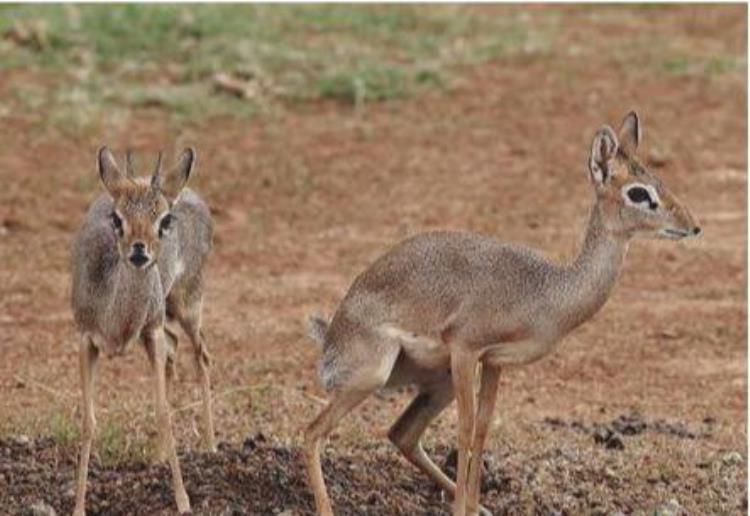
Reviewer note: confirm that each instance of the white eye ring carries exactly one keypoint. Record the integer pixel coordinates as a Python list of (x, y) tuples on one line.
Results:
[(160, 229), (649, 205)]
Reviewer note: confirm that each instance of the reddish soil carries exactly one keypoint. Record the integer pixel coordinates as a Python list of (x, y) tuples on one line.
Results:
[(306, 197)]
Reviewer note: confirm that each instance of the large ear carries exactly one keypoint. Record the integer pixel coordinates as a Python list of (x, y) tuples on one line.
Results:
[(114, 181), (172, 182), (603, 152), (630, 133)]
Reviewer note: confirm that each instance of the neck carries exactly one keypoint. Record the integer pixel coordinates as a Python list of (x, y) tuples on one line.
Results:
[(586, 284), (130, 301)]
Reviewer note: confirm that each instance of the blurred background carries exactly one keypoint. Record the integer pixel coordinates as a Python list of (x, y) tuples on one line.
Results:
[(326, 134)]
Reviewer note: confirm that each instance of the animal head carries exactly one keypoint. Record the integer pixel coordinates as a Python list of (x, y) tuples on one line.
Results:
[(141, 216), (634, 201)]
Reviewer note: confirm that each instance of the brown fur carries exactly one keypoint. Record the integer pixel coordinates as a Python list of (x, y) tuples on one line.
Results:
[(436, 307), (118, 301)]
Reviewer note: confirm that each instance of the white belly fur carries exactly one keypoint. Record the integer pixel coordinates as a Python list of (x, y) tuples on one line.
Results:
[(517, 353), (431, 353), (422, 350)]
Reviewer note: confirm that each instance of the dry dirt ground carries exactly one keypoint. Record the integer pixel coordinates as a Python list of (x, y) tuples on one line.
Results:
[(643, 408)]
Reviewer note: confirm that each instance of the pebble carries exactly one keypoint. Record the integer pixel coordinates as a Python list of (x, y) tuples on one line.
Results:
[(40, 509), (671, 508), (22, 440), (732, 458)]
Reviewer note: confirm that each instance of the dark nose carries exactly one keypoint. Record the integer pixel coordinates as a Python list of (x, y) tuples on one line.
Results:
[(697, 231), (139, 260), (138, 256)]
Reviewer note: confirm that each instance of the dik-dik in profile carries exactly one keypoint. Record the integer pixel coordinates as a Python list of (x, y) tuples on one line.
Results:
[(137, 270), (445, 309)]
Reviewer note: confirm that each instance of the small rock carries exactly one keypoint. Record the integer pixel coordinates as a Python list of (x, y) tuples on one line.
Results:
[(232, 510), (22, 440), (732, 458), (671, 508), (611, 440), (631, 424), (40, 509), (668, 334), (555, 422)]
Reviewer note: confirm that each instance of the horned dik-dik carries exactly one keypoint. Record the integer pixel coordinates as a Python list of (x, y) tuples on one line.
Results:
[(448, 310), (137, 273)]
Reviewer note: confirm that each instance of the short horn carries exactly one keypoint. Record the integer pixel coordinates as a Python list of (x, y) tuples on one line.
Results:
[(129, 164), (156, 178)]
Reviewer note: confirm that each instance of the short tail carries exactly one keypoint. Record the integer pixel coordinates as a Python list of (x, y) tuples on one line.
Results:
[(317, 328)]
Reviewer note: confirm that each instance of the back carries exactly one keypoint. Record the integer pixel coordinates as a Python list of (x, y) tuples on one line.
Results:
[(424, 280), (189, 246)]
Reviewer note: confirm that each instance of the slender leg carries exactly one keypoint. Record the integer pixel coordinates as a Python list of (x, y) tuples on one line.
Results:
[(192, 327), (157, 350), (464, 370), (406, 434), (485, 408), (173, 342), (88, 355), (341, 404), (407, 431)]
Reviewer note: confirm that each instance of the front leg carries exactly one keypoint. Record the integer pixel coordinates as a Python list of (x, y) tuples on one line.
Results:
[(486, 404), (464, 369), (156, 346), (88, 355)]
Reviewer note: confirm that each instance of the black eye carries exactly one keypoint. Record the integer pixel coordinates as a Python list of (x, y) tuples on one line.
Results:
[(116, 222), (165, 224), (639, 195)]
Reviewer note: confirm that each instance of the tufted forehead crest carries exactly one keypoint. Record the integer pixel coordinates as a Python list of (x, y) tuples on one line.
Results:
[(140, 197)]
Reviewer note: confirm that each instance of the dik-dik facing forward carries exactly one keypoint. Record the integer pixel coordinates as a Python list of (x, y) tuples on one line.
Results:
[(137, 269), (438, 306)]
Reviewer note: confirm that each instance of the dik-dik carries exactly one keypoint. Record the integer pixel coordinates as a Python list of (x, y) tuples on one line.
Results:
[(447, 310), (137, 270)]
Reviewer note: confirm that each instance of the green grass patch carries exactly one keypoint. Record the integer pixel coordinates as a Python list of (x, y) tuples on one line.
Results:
[(702, 65), (118, 446), (87, 60), (64, 430)]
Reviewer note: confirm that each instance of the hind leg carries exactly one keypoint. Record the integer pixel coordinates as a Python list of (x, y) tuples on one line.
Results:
[(366, 379), (184, 304), (407, 432), (341, 404), (190, 320), (172, 341)]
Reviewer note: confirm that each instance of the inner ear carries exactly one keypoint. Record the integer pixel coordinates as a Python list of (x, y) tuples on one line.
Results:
[(630, 133), (114, 181), (172, 182), (603, 151)]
